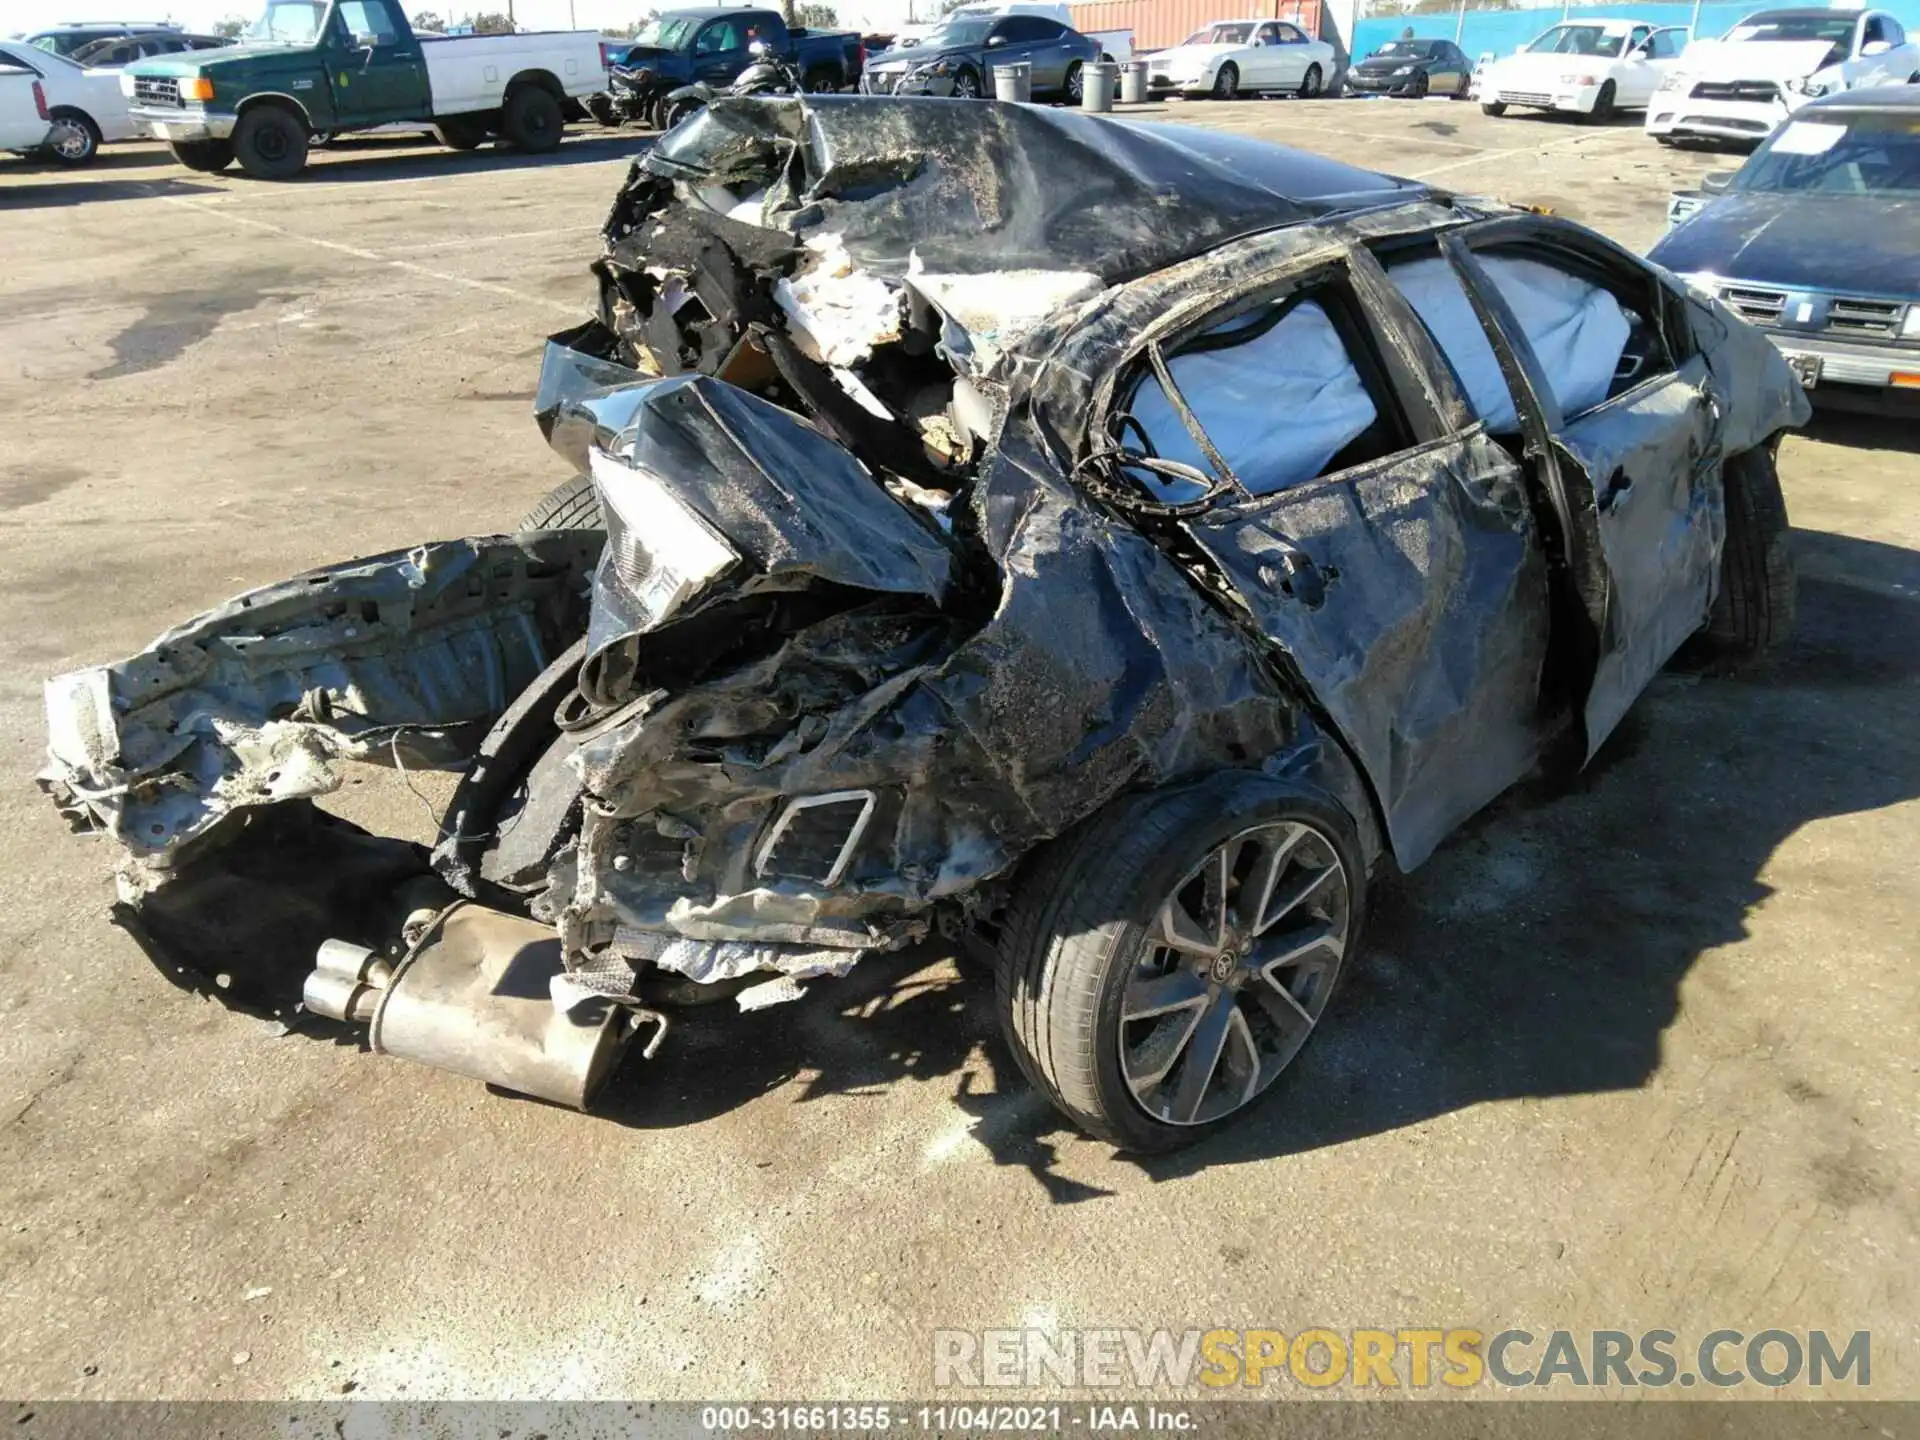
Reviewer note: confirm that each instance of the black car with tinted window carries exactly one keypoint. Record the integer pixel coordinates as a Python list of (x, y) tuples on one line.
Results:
[(1414, 69), (1816, 240)]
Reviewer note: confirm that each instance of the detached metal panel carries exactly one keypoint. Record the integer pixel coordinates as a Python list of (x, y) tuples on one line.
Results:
[(1157, 24)]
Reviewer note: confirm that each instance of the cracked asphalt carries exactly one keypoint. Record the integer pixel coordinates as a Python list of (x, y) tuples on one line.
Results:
[(1638, 1055)]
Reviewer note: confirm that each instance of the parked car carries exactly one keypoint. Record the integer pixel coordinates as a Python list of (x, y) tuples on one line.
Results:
[(111, 51), (959, 58), (1116, 46), (711, 47), (24, 121), (66, 39), (1114, 591), (1588, 67), (1771, 63), (1234, 57), (1816, 240), (85, 107), (1415, 69), (309, 68)]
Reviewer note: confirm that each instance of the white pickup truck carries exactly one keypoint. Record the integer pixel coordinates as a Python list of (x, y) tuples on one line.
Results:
[(321, 67), (23, 108)]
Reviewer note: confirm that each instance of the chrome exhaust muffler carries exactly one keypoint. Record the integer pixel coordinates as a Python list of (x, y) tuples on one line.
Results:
[(475, 995)]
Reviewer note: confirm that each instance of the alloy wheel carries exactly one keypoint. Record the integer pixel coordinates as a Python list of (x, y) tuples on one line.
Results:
[(69, 139), (1236, 969)]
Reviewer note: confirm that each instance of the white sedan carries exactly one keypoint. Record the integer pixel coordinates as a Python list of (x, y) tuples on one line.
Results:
[(1770, 64), (84, 107), (1242, 57), (1589, 67)]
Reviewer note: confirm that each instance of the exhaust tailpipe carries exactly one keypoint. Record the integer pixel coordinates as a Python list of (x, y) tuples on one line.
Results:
[(474, 995)]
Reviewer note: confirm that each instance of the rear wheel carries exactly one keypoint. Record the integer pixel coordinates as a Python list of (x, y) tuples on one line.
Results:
[(1493, 107), (1602, 111), (573, 505), (1755, 607), (1310, 83), (72, 137), (209, 157), (270, 143), (1226, 84), (531, 120), (1162, 964)]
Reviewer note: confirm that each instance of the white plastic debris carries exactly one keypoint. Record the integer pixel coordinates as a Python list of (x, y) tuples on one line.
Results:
[(839, 313)]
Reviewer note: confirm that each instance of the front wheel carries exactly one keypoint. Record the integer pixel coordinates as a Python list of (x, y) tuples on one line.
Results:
[(966, 86), (1310, 83), (1076, 85), (209, 157), (681, 109), (1164, 963), (1493, 108), (531, 120), (72, 137), (574, 505), (1602, 111), (270, 143), (1226, 84), (1418, 90), (461, 132), (1754, 609)]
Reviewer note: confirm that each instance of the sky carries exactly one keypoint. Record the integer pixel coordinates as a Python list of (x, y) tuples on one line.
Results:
[(28, 15)]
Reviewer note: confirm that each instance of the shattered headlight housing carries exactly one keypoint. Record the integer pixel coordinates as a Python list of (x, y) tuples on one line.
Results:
[(662, 552), (1810, 87), (1403, 70), (1675, 80), (1576, 77), (941, 66)]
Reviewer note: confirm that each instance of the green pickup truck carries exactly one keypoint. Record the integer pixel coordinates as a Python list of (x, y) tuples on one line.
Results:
[(309, 68)]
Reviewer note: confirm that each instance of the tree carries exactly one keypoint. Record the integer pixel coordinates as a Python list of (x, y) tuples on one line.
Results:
[(816, 16), (493, 23), (427, 20), (229, 27)]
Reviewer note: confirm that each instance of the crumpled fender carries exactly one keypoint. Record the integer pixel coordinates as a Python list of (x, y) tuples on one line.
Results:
[(404, 658)]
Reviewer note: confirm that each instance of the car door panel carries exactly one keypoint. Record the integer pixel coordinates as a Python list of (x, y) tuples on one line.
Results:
[(381, 81), (1661, 520), (1427, 648)]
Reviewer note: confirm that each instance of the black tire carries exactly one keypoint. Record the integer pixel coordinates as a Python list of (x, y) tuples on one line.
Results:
[(209, 157), (461, 132), (1078, 931), (570, 506), (1464, 90), (820, 82), (1074, 85), (601, 109), (530, 120), (1311, 82), (1420, 84), (1226, 83), (966, 84), (270, 143), (1602, 112), (679, 110), (73, 138), (1757, 601), (1493, 108)]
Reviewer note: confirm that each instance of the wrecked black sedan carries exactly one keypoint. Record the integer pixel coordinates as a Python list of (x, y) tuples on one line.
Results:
[(1111, 575)]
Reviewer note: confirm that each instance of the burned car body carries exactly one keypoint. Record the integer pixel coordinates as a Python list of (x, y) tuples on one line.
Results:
[(1113, 575)]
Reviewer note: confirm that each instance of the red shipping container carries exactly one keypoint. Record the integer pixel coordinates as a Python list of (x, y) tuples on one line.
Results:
[(1157, 24)]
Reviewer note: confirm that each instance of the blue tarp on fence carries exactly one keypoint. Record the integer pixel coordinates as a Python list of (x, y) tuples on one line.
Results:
[(1504, 31)]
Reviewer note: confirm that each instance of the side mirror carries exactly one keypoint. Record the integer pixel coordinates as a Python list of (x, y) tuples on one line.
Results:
[(758, 47), (1875, 47), (995, 40), (365, 42), (1718, 183)]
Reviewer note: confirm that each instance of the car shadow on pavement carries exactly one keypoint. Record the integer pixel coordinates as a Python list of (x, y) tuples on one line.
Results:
[(1859, 431), (52, 188), (346, 162)]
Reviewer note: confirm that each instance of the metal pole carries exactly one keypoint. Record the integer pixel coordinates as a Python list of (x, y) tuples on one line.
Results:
[(1460, 22), (1693, 27)]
